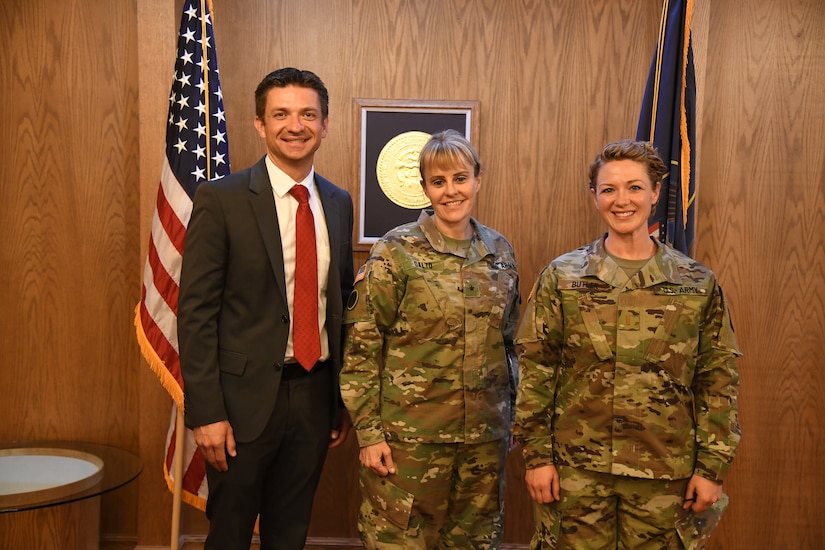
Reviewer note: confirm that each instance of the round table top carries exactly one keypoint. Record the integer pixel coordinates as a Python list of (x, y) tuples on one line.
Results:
[(118, 466)]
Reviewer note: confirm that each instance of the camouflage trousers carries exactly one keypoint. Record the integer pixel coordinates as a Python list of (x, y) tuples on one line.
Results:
[(443, 495), (603, 511)]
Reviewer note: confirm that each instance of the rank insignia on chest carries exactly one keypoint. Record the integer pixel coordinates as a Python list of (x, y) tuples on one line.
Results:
[(472, 290)]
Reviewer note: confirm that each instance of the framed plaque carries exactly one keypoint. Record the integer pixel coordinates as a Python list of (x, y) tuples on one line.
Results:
[(391, 134)]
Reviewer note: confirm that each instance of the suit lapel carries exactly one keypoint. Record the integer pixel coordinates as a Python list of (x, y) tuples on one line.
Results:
[(332, 213), (263, 203)]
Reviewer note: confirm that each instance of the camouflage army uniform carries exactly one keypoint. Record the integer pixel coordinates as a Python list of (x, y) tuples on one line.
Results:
[(430, 369), (627, 377)]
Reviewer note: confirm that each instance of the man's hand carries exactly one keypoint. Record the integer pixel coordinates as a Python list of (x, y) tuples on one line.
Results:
[(377, 458), (336, 437), (543, 484), (214, 441), (701, 494)]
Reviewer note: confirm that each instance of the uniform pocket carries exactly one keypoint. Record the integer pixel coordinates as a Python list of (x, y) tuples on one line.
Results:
[(595, 332), (675, 339), (505, 284), (695, 529), (420, 313), (383, 502), (548, 527)]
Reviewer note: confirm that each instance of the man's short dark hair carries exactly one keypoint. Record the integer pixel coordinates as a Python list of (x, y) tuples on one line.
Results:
[(290, 76)]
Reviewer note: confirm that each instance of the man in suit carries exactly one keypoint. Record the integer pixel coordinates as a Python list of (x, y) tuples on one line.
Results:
[(264, 410)]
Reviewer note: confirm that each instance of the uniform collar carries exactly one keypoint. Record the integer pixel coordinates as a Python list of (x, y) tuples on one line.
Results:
[(663, 267), (481, 243)]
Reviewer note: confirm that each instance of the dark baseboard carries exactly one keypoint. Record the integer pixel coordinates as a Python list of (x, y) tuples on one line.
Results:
[(193, 542)]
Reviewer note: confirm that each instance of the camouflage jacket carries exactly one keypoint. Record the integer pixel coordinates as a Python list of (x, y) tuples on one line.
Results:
[(429, 354), (629, 377)]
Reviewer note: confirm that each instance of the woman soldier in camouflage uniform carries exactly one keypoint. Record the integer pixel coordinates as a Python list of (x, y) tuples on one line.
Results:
[(430, 374), (627, 406)]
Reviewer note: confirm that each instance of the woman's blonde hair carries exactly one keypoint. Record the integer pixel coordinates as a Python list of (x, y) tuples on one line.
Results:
[(448, 147)]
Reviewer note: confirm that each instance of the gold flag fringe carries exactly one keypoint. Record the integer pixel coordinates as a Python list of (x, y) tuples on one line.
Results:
[(189, 498), (156, 363), (683, 130)]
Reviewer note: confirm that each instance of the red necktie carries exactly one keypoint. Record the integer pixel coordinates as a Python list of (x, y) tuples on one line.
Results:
[(306, 340)]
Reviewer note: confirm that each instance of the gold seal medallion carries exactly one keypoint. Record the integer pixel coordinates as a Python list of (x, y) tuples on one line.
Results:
[(397, 170)]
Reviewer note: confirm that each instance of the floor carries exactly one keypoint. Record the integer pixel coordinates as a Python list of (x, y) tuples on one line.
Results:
[(326, 545), (312, 544)]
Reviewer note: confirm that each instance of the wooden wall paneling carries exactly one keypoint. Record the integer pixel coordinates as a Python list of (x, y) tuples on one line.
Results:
[(762, 204), (69, 189), (578, 84), (491, 71), (285, 34), (160, 20), (555, 80), (71, 526)]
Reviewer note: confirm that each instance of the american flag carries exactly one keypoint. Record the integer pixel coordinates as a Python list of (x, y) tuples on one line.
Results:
[(668, 120), (196, 151)]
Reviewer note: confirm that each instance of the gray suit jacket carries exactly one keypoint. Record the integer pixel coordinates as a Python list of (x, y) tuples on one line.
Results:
[(233, 318)]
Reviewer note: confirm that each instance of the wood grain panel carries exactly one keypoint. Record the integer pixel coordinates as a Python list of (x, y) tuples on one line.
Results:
[(761, 226), (554, 81), (74, 526), (69, 137), (576, 86), (156, 61)]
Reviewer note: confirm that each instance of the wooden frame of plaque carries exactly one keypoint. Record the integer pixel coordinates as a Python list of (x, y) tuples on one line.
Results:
[(390, 134)]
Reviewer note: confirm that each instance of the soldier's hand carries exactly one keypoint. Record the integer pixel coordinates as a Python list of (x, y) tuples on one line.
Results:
[(214, 441), (378, 458), (701, 494), (543, 484)]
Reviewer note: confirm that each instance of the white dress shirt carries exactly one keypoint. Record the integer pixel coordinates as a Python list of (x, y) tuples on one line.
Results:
[(287, 206)]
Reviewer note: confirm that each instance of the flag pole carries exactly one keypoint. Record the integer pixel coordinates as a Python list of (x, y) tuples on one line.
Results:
[(180, 428), (178, 466), (183, 170)]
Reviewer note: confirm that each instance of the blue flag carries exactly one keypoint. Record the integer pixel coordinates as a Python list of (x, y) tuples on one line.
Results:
[(668, 120)]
